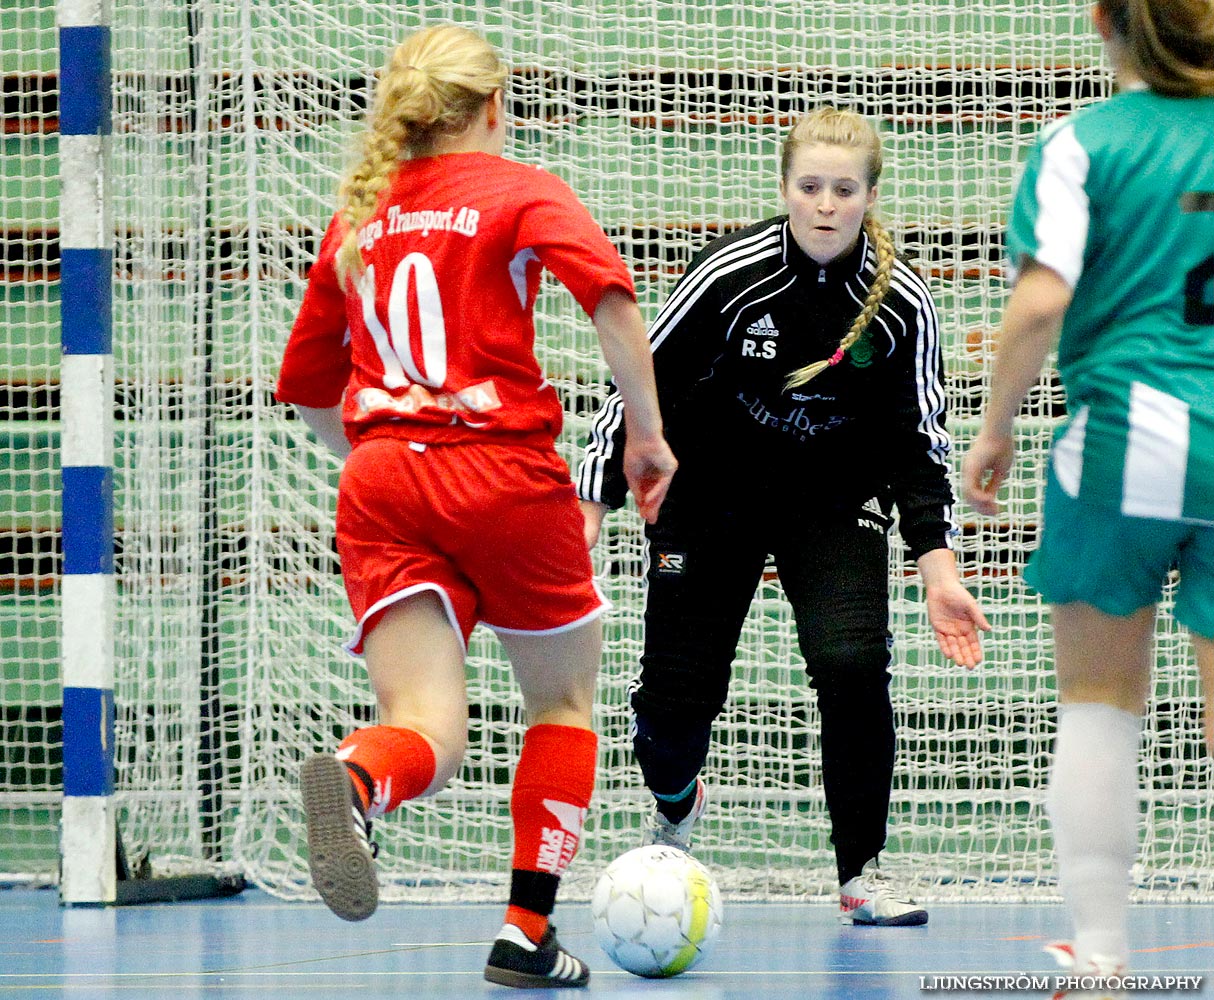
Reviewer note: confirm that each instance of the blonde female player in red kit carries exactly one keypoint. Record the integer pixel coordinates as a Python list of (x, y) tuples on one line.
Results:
[(413, 355)]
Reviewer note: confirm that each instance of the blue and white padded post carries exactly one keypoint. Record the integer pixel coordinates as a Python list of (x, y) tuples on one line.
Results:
[(86, 381)]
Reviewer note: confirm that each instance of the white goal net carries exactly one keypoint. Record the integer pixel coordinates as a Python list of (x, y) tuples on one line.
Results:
[(232, 121)]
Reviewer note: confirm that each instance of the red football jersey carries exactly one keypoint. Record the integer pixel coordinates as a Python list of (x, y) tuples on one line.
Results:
[(436, 343)]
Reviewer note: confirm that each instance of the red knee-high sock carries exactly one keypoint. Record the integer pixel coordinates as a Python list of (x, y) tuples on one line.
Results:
[(552, 788), (388, 765)]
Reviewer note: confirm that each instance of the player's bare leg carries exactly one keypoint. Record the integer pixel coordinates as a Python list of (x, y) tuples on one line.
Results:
[(415, 663), (1103, 658), (557, 673), (1204, 648), (548, 802)]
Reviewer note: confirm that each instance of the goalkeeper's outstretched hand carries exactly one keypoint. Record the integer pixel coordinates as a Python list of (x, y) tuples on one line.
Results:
[(954, 613), (957, 621)]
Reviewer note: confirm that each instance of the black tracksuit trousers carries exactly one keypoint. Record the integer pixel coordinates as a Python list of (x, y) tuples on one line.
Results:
[(704, 568)]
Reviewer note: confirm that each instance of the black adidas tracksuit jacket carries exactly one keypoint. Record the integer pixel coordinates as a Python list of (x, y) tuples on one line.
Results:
[(807, 475), (752, 308)]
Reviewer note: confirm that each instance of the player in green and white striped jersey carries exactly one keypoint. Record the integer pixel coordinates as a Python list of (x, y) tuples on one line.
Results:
[(1111, 245), (1118, 199)]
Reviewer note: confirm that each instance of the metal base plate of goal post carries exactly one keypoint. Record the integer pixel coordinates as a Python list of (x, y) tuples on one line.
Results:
[(139, 886), (176, 888)]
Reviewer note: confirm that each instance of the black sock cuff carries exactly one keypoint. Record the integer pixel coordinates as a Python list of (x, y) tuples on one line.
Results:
[(534, 891), (359, 772)]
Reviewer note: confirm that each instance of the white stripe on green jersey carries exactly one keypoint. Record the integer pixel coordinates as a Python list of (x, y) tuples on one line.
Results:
[(1118, 199)]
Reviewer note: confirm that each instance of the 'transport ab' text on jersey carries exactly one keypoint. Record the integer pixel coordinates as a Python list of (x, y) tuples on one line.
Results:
[(751, 309), (437, 343), (1118, 199)]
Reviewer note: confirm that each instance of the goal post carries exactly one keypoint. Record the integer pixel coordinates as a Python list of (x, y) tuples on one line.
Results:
[(231, 123), (86, 383), (94, 866)]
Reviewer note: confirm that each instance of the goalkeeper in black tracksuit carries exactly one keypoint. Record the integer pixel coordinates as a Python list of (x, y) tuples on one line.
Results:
[(799, 374)]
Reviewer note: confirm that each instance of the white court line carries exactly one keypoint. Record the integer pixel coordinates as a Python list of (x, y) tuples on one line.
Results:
[(698, 974)]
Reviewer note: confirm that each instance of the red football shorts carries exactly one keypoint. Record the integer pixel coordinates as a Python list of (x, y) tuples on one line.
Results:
[(493, 529)]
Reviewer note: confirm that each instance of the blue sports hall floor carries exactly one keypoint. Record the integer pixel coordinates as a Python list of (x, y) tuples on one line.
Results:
[(252, 945)]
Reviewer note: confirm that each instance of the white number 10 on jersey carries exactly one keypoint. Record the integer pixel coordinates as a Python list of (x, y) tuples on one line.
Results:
[(394, 344)]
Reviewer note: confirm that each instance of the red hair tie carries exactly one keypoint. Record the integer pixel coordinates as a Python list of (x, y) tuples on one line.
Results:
[(836, 357)]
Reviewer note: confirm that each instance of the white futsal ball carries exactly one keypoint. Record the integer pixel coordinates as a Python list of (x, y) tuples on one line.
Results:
[(657, 911)]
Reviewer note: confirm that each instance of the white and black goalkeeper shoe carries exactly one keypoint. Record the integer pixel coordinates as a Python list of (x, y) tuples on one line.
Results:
[(678, 835), (872, 898)]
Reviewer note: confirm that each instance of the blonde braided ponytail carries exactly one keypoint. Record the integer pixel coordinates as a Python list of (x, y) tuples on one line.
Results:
[(876, 295), (360, 188), (434, 84)]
